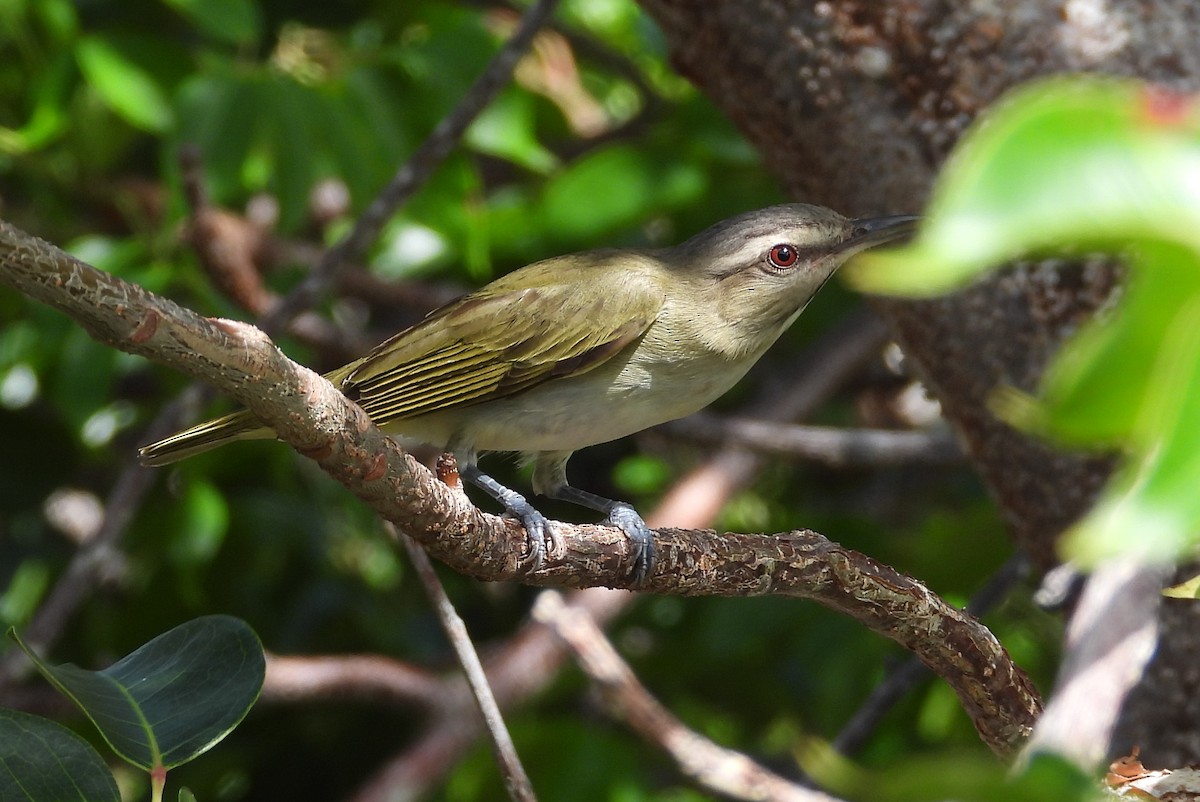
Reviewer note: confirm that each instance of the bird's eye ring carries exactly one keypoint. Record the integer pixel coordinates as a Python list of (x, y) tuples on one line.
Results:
[(783, 255)]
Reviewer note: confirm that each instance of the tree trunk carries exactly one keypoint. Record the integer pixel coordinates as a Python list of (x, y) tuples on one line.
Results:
[(855, 105)]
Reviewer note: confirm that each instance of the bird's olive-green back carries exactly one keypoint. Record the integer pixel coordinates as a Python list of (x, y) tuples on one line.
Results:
[(548, 320)]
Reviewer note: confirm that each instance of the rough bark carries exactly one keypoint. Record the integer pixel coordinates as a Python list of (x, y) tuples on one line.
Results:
[(856, 105)]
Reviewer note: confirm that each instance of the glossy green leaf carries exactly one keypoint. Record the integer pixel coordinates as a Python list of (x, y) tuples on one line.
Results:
[(174, 697), (41, 761), (1095, 390), (234, 21), (1152, 508), (125, 87)]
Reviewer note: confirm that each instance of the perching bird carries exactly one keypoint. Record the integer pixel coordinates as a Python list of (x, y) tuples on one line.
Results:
[(586, 348)]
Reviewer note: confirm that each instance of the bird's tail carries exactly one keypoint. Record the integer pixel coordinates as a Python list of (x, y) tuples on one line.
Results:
[(204, 437)]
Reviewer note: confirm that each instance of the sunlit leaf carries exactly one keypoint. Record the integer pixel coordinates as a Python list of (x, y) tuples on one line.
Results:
[(1098, 385), (506, 129), (601, 191), (1185, 590), (125, 87), (1099, 163), (1152, 508)]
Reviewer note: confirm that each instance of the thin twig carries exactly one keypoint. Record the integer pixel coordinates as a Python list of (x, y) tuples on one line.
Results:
[(515, 778), (712, 767), (832, 446), (419, 166), (370, 677)]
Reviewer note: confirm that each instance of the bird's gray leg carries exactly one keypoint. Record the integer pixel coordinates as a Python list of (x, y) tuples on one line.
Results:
[(624, 517), (550, 480), (537, 529)]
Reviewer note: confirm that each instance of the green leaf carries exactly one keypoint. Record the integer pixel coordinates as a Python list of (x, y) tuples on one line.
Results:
[(1095, 391), (124, 86), (608, 188), (1152, 509), (1185, 590), (965, 777), (50, 117), (506, 129), (206, 521), (173, 698), (221, 112), (41, 761), (235, 21)]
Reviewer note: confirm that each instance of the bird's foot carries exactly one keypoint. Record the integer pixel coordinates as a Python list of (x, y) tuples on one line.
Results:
[(540, 537), (641, 539)]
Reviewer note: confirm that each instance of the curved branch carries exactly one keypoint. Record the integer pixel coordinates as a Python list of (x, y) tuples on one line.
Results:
[(311, 415)]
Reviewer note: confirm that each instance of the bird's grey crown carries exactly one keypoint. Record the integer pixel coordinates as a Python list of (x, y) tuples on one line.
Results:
[(731, 244)]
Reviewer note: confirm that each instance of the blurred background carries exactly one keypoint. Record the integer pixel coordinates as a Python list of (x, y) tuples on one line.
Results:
[(294, 114)]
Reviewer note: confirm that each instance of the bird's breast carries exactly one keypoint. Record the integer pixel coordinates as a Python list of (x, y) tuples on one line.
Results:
[(612, 401)]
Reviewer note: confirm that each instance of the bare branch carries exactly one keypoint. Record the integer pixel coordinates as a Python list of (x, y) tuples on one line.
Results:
[(310, 414), (835, 447), (710, 766), (1109, 642), (515, 778), (908, 674), (369, 677)]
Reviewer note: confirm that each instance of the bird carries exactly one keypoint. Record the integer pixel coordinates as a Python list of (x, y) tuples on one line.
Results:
[(586, 348)]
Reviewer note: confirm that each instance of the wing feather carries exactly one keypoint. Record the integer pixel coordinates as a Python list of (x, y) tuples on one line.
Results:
[(498, 342)]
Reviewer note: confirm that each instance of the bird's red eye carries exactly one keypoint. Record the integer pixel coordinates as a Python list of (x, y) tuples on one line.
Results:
[(783, 255)]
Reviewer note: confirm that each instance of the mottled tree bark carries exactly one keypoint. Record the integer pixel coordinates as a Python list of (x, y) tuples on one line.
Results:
[(856, 104)]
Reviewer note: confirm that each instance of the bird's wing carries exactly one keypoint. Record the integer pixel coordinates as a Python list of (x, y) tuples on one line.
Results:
[(495, 343)]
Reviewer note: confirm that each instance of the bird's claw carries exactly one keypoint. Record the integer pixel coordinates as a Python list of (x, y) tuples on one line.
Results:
[(641, 539), (540, 539)]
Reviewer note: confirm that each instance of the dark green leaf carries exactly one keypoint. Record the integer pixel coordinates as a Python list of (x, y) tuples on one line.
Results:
[(174, 697), (234, 21), (41, 761)]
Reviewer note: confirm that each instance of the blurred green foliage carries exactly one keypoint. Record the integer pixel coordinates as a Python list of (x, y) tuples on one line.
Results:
[(598, 143)]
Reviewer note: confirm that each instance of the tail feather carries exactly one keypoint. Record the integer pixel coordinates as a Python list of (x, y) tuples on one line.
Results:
[(204, 437)]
